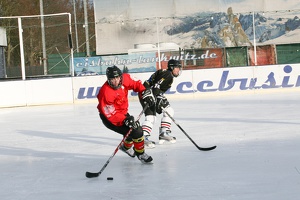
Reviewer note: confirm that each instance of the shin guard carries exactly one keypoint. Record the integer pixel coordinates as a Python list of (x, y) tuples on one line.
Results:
[(139, 145), (128, 144)]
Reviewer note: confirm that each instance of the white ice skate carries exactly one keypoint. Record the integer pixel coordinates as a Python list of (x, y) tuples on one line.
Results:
[(165, 136), (149, 143)]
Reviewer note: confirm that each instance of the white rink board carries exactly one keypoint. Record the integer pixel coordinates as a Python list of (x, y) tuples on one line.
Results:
[(210, 81), (36, 92), (13, 93), (49, 91), (191, 82)]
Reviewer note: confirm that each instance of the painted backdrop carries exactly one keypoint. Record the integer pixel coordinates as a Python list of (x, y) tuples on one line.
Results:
[(130, 26)]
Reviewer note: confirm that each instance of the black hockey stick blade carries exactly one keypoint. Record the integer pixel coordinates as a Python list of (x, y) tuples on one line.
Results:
[(199, 148), (91, 174), (206, 148)]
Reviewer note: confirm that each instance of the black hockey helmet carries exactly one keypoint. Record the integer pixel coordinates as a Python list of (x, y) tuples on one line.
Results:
[(173, 64), (113, 72)]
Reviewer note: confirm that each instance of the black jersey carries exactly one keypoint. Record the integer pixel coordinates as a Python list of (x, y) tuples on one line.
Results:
[(160, 81)]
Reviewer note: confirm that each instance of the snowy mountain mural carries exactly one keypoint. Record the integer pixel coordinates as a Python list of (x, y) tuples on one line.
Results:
[(122, 25), (229, 30)]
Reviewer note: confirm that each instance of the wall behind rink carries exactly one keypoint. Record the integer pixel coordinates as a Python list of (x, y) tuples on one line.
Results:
[(210, 81), (36, 92), (191, 83)]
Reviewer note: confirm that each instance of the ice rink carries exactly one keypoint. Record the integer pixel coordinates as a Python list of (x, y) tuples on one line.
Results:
[(46, 150)]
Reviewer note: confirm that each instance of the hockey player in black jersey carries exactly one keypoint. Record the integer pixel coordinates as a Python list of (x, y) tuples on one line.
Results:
[(160, 81)]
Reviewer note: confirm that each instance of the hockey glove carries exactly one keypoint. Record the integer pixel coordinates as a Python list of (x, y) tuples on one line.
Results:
[(129, 121), (148, 97), (161, 102)]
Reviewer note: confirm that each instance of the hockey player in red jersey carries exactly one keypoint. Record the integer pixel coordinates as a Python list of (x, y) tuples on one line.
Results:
[(113, 110), (159, 82)]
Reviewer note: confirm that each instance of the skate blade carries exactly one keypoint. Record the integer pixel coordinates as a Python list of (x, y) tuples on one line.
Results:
[(149, 146), (146, 163), (166, 141)]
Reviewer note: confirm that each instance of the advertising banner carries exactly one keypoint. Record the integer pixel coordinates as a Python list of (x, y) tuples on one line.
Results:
[(204, 81)]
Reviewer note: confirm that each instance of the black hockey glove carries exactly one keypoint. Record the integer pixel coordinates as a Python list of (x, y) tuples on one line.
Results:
[(129, 121), (148, 97), (161, 102)]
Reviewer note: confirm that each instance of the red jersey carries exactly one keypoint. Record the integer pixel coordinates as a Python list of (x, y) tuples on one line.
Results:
[(113, 104)]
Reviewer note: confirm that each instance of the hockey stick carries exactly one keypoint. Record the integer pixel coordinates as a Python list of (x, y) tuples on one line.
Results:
[(96, 174), (200, 148)]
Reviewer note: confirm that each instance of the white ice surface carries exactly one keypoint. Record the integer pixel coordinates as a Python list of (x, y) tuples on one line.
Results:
[(46, 150)]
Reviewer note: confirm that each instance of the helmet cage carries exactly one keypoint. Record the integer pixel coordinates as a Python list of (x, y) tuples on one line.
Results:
[(173, 64), (111, 73)]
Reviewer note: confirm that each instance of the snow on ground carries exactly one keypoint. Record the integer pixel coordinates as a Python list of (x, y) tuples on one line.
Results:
[(46, 150)]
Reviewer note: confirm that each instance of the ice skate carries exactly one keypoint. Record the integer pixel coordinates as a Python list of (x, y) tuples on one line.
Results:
[(144, 158), (129, 152), (149, 143), (165, 136)]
